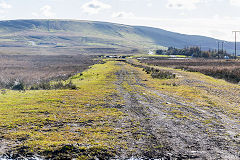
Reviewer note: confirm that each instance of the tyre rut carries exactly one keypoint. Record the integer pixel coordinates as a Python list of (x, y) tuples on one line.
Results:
[(167, 136)]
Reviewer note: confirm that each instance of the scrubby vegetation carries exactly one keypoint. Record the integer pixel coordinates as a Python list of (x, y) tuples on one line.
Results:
[(194, 52), (155, 73), (231, 74), (223, 69), (20, 72), (54, 85)]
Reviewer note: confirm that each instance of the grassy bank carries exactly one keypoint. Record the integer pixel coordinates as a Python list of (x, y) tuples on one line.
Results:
[(64, 123)]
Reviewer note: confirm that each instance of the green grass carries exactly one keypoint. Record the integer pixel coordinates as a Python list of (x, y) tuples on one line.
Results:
[(192, 94), (181, 56), (46, 121)]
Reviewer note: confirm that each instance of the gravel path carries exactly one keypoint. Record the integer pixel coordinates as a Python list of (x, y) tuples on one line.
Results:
[(203, 133)]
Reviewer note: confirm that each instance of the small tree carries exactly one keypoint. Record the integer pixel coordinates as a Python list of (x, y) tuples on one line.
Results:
[(18, 85), (159, 52)]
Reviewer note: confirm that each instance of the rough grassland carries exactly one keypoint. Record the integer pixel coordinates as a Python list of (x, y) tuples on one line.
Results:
[(53, 123), (120, 111)]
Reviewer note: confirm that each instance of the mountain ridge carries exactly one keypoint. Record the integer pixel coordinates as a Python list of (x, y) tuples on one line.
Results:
[(81, 36)]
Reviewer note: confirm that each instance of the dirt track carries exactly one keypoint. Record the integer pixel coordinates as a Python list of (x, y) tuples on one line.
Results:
[(189, 117), (171, 127)]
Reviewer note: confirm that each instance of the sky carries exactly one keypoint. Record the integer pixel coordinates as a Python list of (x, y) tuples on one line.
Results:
[(212, 18)]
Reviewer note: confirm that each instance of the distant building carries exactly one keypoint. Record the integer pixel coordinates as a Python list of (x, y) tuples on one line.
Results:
[(150, 52), (226, 57)]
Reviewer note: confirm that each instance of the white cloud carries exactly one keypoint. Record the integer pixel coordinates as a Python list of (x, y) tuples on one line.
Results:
[(47, 11), (4, 8), (123, 15), (5, 5), (94, 6), (235, 2), (149, 4), (35, 14), (217, 27), (183, 4)]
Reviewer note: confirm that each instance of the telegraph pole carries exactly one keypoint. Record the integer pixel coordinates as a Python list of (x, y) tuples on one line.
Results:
[(222, 46), (235, 32)]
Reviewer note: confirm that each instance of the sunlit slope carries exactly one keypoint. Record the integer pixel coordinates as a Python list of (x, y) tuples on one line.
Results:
[(61, 36), (72, 36)]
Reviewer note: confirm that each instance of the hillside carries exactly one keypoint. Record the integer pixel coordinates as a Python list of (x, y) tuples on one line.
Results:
[(68, 36)]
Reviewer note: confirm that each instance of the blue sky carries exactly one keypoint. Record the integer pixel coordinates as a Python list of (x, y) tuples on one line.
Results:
[(214, 18)]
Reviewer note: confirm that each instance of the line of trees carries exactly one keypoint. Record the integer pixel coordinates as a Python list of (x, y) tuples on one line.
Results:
[(194, 52)]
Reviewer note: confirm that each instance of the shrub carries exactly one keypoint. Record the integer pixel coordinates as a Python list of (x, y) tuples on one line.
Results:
[(57, 85), (163, 75), (45, 85), (156, 73), (70, 85), (13, 84), (223, 69), (60, 85), (18, 86)]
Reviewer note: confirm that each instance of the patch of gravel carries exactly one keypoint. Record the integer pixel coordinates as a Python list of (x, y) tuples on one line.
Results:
[(182, 138)]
